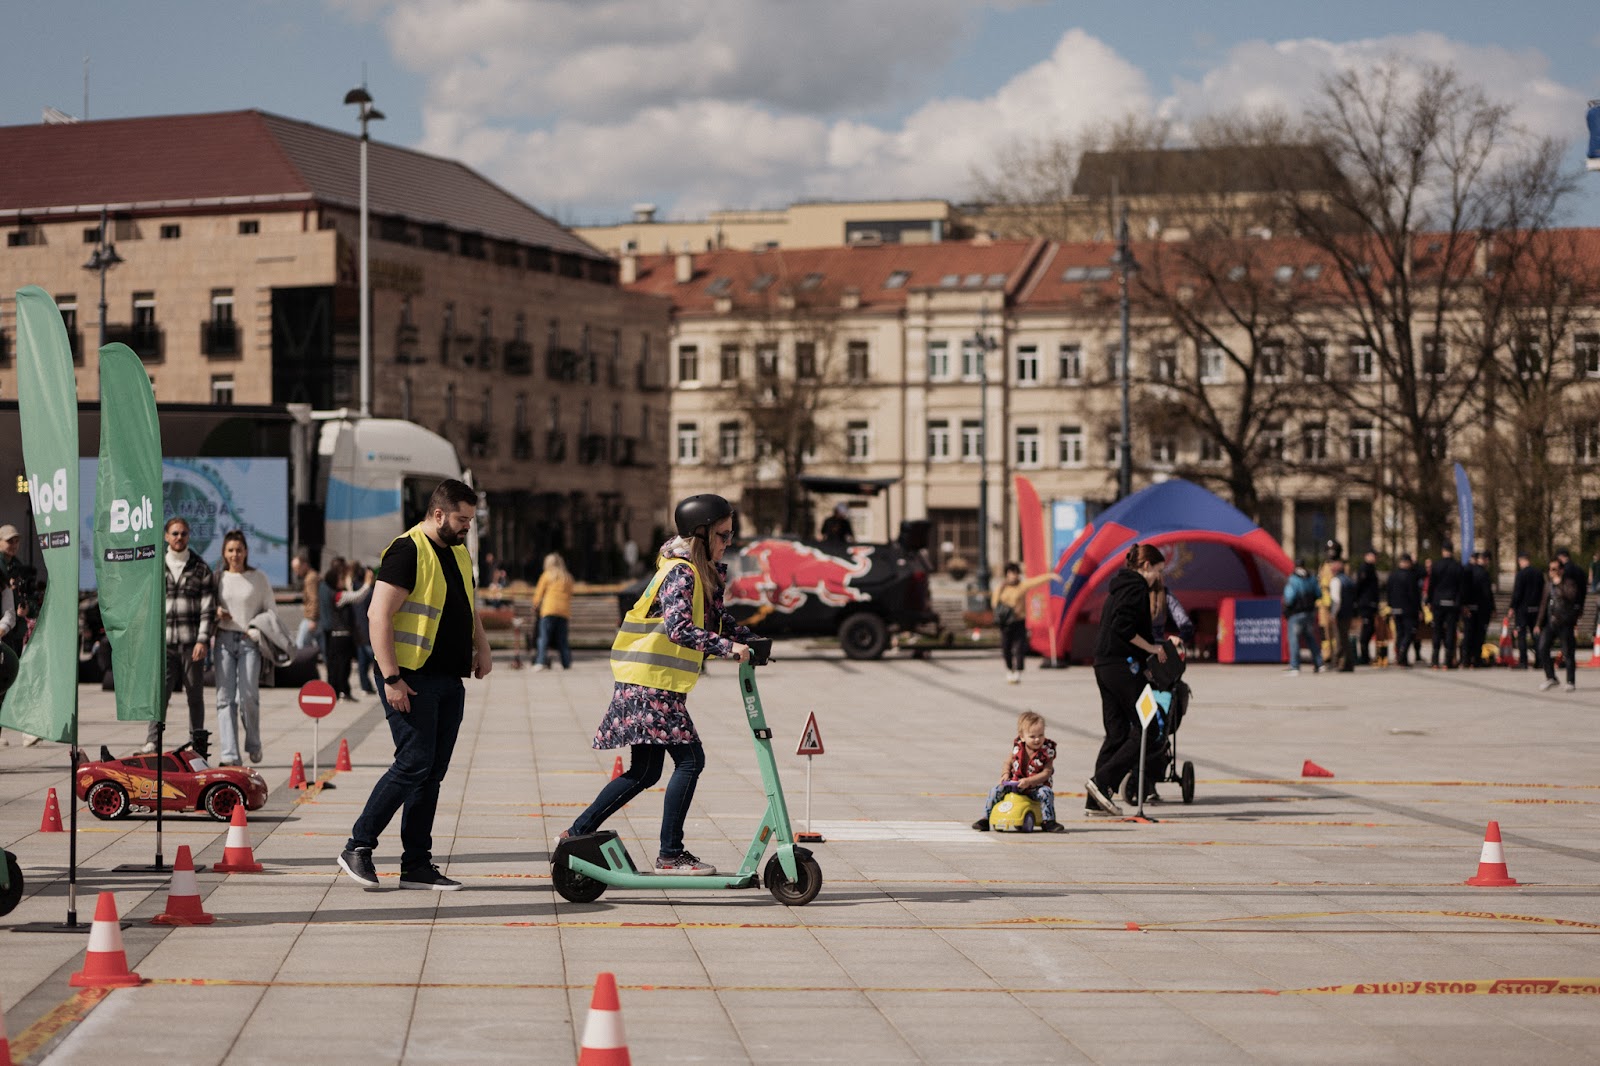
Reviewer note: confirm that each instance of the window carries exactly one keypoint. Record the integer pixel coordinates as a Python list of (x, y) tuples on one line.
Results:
[(1363, 441), (938, 360), (971, 440), (1586, 446), (171, 231), (1272, 441), (1027, 446), (144, 311), (897, 279), (1586, 348), (1435, 356), (67, 304), (1271, 360), (767, 360), (688, 443), (249, 227), (688, 362), (91, 235), (450, 402), (486, 409), (1527, 355), (405, 399), (1070, 442), (1315, 360), (222, 390), (728, 437), (519, 413), (972, 363), (805, 360), (1070, 360), (1363, 361), (858, 360), (1164, 363), (1435, 439), (730, 363), (1210, 449), (1314, 442), (222, 307), (1163, 451), (1028, 364), (1114, 444), (1114, 361), (858, 442), (1213, 364), (939, 440)]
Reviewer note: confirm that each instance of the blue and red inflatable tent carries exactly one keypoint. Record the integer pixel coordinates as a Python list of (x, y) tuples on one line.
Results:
[(1213, 552)]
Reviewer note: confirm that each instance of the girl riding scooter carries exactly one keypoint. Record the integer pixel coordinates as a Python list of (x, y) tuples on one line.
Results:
[(656, 660)]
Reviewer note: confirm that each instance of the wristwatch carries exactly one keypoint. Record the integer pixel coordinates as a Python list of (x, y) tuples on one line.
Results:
[(395, 680)]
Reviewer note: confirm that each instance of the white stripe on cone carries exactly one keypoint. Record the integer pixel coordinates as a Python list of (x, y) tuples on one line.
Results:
[(184, 884), (105, 936), (1492, 853), (603, 1030), (238, 839)]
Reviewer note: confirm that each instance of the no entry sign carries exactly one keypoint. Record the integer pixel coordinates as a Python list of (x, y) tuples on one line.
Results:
[(317, 699)]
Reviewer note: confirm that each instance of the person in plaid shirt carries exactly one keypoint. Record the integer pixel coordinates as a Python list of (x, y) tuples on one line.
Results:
[(191, 617)]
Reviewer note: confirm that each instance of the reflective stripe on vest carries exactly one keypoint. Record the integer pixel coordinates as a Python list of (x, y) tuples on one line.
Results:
[(643, 654), (416, 623)]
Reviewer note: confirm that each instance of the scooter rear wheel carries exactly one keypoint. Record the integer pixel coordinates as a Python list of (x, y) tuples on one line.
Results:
[(799, 892), (575, 887), (11, 895)]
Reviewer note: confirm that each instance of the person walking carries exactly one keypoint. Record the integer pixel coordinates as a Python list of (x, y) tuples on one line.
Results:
[(191, 617), (1300, 597), (1445, 579), (1477, 607), (1126, 640), (337, 607), (1527, 596), (366, 665), (1008, 601), (1404, 593), (1341, 610), (242, 593), (310, 606), (552, 598), (1559, 611), (1367, 605), (656, 660), (426, 637)]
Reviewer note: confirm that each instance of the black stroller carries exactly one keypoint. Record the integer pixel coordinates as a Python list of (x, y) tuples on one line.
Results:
[(1161, 752)]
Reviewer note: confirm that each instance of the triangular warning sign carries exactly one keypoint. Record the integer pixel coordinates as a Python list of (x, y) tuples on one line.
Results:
[(811, 739)]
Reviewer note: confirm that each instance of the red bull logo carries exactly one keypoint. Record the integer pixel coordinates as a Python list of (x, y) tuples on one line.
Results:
[(780, 575)]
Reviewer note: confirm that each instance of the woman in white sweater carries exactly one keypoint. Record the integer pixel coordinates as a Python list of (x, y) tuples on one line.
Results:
[(242, 593)]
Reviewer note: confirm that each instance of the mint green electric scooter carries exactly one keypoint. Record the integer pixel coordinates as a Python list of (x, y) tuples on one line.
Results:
[(583, 866)]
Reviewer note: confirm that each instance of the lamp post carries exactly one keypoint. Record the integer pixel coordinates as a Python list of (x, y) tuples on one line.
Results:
[(1126, 266), (363, 99), (983, 343), (102, 259)]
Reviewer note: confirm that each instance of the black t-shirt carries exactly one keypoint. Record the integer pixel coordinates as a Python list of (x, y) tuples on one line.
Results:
[(452, 644)]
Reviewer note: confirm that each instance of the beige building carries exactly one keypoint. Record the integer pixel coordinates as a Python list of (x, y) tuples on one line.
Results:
[(818, 224), (237, 283)]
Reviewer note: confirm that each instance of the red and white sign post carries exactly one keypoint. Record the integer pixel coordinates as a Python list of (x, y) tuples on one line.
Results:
[(810, 744), (316, 700)]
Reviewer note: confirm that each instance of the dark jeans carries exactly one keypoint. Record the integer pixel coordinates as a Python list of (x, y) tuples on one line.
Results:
[(1119, 753), (183, 672), (1339, 638), (644, 770), (424, 739), (1014, 644), (1369, 622), (1405, 638), (1569, 648), (1524, 638), (553, 633), (341, 653), (1444, 633), (1474, 634)]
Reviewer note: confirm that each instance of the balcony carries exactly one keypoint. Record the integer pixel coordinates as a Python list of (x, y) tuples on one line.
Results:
[(219, 338), (522, 444), (518, 358), (555, 446), (145, 339), (592, 448), (406, 339)]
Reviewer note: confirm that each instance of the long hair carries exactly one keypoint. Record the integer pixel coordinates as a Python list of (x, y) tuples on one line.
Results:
[(1143, 555), (700, 555), (554, 564), (228, 538), (333, 576)]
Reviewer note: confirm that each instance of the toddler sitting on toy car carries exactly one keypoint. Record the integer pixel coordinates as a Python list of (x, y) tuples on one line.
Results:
[(1029, 770)]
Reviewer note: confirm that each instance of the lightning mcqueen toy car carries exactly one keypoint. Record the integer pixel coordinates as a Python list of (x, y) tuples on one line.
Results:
[(116, 788)]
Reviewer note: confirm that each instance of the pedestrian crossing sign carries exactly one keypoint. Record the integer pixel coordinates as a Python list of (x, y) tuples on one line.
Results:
[(811, 739)]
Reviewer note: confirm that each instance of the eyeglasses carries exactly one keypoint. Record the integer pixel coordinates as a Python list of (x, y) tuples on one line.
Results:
[(726, 538)]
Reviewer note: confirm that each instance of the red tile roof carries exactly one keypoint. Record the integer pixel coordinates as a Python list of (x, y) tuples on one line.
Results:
[(172, 162)]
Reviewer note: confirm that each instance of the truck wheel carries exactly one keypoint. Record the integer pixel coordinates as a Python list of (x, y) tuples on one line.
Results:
[(864, 636)]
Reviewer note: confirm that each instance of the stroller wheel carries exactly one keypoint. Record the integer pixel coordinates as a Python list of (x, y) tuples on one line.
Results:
[(1186, 782)]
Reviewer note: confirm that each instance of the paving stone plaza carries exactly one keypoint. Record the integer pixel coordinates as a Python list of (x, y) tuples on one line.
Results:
[(1278, 918)]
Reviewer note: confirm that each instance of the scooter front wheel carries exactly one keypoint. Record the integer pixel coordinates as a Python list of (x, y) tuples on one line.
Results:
[(575, 887), (799, 892)]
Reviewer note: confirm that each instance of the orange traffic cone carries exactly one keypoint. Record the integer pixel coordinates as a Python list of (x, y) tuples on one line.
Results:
[(5, 1045), (183, 898), (1594, 656), (343, 762), (237, 856), (51, 822), (604, 1042), (616, 772), (1311, 769), (1508, 651), (297, 773), (105, 964), (1492, 872)]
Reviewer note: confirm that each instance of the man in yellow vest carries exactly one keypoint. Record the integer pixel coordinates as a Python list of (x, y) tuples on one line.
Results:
[(426, 637)]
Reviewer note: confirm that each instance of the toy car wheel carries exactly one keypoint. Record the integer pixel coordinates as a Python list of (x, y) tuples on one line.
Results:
[(575, 887), (1186, 782), (864, 636), (107, 800), (220, 800), (1027, 822), (799, 892), (11, 895)]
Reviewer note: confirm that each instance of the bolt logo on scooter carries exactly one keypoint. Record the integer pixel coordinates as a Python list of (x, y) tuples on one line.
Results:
[(583, 866)]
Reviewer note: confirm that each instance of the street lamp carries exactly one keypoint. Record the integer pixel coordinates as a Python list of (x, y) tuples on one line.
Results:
[(983, 343), (1126, 266), (102, 259), (360, 97)]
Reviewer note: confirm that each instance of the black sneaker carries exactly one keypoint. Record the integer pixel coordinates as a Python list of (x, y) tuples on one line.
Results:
[(1053, 827), (357, 862), (981, 825), (428, 878), (1101, 800)]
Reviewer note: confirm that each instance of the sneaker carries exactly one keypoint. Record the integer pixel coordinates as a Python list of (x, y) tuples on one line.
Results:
[(428, 878), (31, 741), (1547, 684), (1572, 688), (1101, 800), (683, 863), (255, 756), (357, 862), (1319, 669), (1292, 670), (149, 748), (1153, 797), (539, 666), (1053, 826), (981, 825)]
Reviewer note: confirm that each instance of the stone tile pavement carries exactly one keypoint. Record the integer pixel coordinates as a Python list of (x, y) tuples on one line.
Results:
[(1276, 919)]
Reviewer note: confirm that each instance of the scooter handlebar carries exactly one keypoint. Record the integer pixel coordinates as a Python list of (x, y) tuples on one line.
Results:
[(760, 650)]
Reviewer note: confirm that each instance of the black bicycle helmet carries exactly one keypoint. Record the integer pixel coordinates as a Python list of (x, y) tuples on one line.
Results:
[(697, 514)]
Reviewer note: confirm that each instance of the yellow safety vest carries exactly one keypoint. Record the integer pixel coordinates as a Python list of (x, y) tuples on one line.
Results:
[(417, 621), (643, 654)]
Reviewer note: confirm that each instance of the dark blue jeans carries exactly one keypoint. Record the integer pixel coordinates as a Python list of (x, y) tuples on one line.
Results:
[(553, 633), (643, 771), (424, 739)]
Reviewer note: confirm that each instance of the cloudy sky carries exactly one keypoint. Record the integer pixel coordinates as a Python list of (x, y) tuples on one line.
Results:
[(585, 107)]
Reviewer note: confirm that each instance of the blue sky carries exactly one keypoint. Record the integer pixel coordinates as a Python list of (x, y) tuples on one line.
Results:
[(584, 107)]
